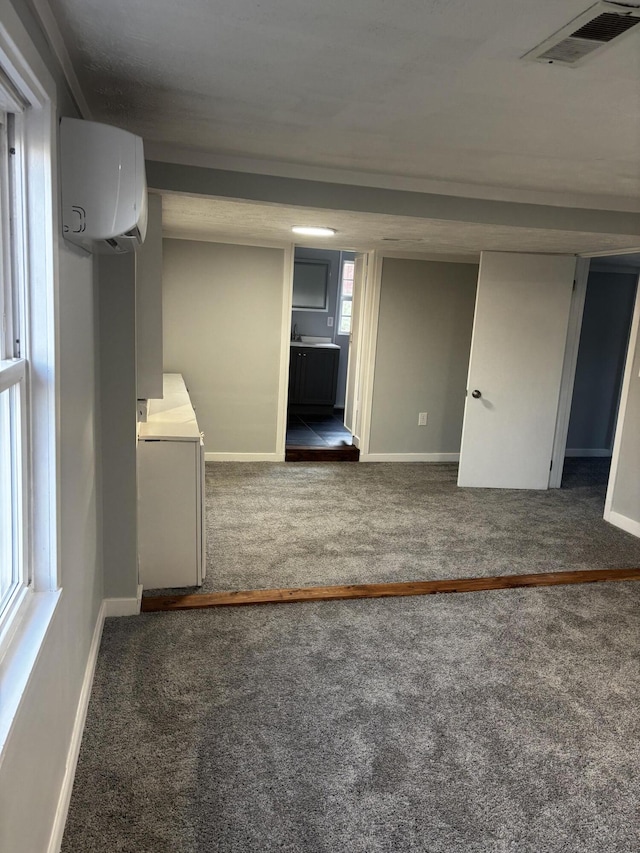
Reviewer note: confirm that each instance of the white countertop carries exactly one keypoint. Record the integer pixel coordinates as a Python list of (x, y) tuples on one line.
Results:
[(171, 418), (314, 346)]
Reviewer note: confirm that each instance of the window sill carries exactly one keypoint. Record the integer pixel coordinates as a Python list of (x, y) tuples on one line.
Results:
[(21, 653)]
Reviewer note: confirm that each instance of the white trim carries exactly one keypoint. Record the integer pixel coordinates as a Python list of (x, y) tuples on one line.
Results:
[(574, 329), (627, 524), (123, 606), (587, 451), (244, 457), (55, 841), (59, 48), (29, 631), (622, 408), (409, 457), (356, 340), (369, 344), (12, 372), (285, 351)]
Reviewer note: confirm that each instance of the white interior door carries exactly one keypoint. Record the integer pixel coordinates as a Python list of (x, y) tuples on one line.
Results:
[(515, 370), (352, 397)]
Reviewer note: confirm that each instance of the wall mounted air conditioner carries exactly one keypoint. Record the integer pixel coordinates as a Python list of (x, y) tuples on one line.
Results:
[(104, 187)]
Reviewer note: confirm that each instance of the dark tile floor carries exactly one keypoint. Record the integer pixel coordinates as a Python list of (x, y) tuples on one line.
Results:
[(317, 431)]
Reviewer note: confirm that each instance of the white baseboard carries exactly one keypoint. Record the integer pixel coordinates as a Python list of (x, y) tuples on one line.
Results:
[(409, 457), (623, 522), (244, 457), (123, 606), (587, 451), (55, 841)]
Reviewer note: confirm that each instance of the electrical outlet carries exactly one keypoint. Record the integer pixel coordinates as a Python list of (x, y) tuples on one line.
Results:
[(422, 418), (329, 321)]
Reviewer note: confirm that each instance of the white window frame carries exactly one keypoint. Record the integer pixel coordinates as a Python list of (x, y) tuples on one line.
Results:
[(342, 299), (26, 622), (13, 364)]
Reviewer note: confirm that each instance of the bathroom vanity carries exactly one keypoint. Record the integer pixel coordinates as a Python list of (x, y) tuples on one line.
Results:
[(313, 378)]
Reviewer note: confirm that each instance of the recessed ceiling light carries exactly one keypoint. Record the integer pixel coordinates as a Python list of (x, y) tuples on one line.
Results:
[(313, 231)]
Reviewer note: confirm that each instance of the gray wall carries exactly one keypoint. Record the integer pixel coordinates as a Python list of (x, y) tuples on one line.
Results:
[(35, 753), (116, 277), (626, 488), (222, 308), (603, 345), (422, 356), (175, 177), (149, 306)]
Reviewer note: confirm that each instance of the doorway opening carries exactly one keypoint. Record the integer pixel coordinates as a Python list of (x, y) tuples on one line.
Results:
[(320, 350), (602, 351)]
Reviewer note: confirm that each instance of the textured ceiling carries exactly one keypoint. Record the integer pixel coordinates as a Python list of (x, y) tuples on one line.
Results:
[(197, 218), (432, 89)]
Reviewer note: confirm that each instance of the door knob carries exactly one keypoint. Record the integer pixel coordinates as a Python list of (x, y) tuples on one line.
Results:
[(476, 394)]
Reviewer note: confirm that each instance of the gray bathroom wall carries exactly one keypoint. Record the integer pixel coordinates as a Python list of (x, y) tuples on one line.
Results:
[(315, 322)]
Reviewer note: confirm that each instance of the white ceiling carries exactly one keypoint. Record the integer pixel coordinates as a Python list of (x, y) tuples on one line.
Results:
[(199, 218), (430, 89), (431, 93)]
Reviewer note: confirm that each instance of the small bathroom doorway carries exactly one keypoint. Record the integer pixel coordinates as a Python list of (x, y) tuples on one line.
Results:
[(321, 329)]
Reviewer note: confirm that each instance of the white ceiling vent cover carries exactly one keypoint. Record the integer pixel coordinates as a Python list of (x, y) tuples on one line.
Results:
[(584, 36)]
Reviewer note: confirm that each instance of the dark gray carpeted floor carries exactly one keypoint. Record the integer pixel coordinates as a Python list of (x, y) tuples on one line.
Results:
[(477, 723), (301, 524)]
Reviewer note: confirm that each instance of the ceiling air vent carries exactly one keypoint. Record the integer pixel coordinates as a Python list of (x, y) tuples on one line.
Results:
[(587, 34)]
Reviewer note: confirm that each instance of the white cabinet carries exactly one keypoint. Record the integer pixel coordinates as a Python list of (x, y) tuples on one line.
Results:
[(171, 530)]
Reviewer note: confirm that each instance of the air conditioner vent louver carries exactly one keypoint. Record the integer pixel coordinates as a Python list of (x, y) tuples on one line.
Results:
[(570, 50), (606, 27), (596, 28)]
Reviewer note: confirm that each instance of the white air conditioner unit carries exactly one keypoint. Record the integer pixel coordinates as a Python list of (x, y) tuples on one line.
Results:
[(104, 187)]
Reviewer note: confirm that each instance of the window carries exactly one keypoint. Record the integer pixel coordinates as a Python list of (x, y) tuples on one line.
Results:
[(28, 333), (14, 413), (346, 298), (29, 394)]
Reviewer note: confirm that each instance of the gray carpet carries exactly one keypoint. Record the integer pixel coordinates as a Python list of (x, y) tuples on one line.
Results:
[(477, 723), (313, 524)]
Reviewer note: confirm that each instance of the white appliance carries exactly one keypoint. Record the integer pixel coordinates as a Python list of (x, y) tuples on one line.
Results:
[(171, 504), (104, 187)]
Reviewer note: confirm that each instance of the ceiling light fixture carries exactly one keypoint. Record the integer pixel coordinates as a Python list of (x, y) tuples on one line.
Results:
[(313, 231)]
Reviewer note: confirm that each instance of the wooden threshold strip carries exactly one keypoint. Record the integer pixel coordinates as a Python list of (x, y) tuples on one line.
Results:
[(343, 453), (380, 590)]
